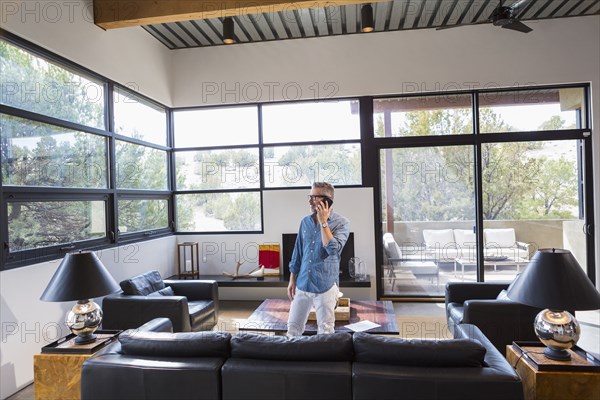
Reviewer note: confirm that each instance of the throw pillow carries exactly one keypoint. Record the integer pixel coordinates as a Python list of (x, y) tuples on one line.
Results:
[(167, 291)]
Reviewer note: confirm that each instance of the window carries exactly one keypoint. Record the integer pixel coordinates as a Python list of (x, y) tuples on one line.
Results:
[(337, 161), (142, 215), (57, 190), (32, 83), (531, 110), (140, 167), (38, 154), (35, 224), (311, 122), (217, 212), (138, 118), (230, 126), (423, 116)]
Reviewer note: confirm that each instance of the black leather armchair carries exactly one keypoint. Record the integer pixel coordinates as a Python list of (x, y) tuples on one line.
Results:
[(501, 321), (193, 305)]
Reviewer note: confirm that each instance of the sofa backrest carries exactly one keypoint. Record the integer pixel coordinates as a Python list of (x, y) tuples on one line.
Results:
[(178, 344), (465, 238), (418, 353), (334, 347), (143, 284)]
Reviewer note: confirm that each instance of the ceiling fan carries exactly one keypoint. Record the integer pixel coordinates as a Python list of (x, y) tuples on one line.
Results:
[(503, 16)]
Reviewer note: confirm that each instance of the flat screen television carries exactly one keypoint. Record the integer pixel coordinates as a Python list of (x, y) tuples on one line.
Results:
[(288, 241)]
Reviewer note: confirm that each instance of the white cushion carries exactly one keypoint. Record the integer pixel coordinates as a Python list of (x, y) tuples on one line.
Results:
[(391, 247), (499, 237), (465, 238), (438, 238)]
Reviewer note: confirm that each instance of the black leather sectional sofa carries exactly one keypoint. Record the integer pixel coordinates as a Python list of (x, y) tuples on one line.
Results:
[(217, 365)]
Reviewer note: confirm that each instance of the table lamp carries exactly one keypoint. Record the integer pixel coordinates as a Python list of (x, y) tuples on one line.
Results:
[(555, 281), (82, 277)]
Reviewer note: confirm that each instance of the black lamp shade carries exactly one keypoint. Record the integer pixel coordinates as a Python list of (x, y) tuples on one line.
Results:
[(80, 276), (366, 18), (554, 280)]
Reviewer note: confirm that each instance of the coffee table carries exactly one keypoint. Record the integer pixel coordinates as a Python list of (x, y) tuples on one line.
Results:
[(272, 316), (462, 262)]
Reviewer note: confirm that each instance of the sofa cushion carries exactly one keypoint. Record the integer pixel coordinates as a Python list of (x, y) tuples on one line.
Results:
[(438, 238), (465, 238), (504, 237), (200, 310), (143, 284), (178, 344), (166, 291), (418, 353), (334, 347)]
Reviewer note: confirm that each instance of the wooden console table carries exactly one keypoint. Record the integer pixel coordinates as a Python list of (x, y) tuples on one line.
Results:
[(552, 385)]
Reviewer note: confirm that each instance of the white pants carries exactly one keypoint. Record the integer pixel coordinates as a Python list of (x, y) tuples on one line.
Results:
[(324, 304)]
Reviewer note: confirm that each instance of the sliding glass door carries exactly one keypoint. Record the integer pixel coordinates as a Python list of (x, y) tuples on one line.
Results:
[(471, 185)]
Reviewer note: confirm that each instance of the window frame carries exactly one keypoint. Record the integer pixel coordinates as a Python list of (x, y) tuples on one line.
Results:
[(110, 194)]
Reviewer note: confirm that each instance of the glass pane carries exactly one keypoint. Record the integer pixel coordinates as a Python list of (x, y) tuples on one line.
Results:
[(311, 121), (423, 116), (530, 201), (141, 215), (140, 167), (214, 212), (216, 127), (428, 209), (48, 223), (289, 166), (37, 154), (217, 169), (34, 84), (139, 119), (532, 110)]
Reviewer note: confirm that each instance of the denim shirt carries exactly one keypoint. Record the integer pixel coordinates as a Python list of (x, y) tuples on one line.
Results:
[(317, 267)]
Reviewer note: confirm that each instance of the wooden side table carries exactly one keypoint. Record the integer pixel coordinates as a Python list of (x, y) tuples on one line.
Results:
[(58, 376), (57, 370), (552, 384)]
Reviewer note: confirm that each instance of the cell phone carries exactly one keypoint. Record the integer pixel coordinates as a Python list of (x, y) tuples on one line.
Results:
[(328, 201)]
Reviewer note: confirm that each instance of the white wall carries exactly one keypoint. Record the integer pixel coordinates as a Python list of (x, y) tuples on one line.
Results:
[(283, 210), (482, 56), (28, 323), (131, 57)]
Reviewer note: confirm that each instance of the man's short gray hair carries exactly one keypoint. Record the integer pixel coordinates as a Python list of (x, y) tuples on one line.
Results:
[(326, 187)]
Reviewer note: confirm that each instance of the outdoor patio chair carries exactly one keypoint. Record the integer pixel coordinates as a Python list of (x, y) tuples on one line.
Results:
[(396, 264)]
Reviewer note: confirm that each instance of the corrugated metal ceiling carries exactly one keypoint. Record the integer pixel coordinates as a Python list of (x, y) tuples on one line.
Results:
[(345, 20)]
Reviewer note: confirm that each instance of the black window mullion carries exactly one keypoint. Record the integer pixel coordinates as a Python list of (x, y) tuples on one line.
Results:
[(478, 174)]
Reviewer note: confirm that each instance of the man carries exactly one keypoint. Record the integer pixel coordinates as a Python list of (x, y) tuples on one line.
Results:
[(315, 263)]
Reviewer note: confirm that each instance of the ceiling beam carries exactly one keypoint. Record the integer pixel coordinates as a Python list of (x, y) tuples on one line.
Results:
[(112, 14)]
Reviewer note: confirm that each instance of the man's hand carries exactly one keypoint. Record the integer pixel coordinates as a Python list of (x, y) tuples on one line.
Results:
[(291, 289), (323, 212)]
